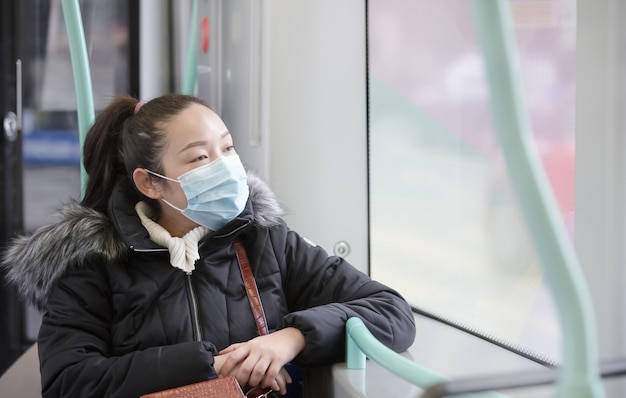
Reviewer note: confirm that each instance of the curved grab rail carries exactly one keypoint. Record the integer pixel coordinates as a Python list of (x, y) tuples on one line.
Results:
[(191, 65), (579, 376), (82, 77), (361, 343)]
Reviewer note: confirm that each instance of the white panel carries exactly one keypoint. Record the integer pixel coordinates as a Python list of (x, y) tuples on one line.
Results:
[(293, 94), (600, 166), (318, 126), (153, 66), (241, 74)]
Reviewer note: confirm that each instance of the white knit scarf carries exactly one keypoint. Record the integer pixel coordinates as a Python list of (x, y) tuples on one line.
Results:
[(183, 251)]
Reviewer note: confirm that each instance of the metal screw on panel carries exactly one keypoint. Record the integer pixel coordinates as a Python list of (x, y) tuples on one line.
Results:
[(10, 126), (341, 249)]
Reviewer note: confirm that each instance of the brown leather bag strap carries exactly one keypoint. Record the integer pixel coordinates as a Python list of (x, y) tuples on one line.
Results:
[(251, 289)]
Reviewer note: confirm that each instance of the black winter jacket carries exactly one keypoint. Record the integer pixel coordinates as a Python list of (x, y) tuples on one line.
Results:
[(120, 321)]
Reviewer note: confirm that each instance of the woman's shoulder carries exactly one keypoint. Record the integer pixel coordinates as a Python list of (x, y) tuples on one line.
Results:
[(33, 263)]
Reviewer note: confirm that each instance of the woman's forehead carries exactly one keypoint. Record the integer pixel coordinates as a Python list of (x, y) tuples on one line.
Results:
[(197, 120), (196, 125)]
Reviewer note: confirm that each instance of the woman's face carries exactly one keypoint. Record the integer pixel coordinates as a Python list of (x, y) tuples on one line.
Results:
[(195, 137)]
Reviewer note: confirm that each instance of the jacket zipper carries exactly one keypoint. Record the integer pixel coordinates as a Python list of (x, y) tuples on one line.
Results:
[(193, 304), (133, 248), (191, 297)]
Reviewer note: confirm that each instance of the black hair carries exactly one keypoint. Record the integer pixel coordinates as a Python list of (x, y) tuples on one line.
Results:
[(122, 140)]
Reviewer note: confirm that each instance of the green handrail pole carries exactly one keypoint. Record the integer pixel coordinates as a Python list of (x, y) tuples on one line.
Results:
[(579, 375), (361, 343), (191, 65), (355, 358), (82, 77), (360, 338)]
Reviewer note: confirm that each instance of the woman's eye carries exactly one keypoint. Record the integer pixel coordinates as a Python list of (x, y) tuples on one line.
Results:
[(230, 148), (200, 158)]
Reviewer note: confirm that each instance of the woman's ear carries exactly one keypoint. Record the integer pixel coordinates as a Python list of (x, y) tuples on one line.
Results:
[(144, 183)]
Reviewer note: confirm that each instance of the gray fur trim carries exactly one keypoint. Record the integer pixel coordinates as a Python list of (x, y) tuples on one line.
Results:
[(34, 263), (267, 209)]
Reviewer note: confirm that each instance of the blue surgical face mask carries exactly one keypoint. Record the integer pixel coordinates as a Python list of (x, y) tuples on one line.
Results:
[(216, 192)]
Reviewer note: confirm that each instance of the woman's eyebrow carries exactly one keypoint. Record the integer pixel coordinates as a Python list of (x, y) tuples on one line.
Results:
[(225, 134), (194, 144)]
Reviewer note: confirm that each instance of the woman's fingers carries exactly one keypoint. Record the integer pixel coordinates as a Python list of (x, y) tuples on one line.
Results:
[(276, 372), (261, 371), (279, 383), (233, 360), (260, 361), (286, 375), (254, 369), (230, 348)]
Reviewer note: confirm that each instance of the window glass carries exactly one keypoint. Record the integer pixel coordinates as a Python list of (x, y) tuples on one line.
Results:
[(51, 145), (445, 228), (51, 148)]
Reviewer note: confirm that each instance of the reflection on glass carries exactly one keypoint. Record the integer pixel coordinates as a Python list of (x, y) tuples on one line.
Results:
[(51, 147), (446, 230)]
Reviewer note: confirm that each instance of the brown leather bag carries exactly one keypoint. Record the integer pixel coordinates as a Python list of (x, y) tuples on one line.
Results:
[(222, 387), (227, 387)]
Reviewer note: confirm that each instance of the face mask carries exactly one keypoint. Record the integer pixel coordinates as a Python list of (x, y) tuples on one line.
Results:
[(216, 192)]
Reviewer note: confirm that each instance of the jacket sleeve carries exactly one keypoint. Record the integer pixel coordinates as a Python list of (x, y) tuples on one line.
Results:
[(324, 291), (75, 353)]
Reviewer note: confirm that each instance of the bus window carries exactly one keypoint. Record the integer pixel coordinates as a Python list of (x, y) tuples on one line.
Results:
[(51, 149), (445, 228)]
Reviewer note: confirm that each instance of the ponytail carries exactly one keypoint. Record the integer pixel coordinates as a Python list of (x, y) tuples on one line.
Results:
[(126, 135), (101, 152)]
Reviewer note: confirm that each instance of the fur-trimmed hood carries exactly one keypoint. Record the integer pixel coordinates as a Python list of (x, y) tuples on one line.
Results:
[(33, 263)]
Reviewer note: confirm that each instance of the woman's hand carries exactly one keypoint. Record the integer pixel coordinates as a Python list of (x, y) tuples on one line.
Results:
[(260, 361), (279, 383)]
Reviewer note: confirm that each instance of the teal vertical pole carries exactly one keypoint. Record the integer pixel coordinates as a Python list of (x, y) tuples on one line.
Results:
[(579, 375), (82, 77), (355, 358), (191, 65)]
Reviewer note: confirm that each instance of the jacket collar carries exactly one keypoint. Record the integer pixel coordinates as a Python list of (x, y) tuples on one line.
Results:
[(262, 208), (34, 263)]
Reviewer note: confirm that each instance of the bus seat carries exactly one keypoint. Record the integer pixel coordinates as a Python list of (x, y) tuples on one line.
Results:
[(22, 379)]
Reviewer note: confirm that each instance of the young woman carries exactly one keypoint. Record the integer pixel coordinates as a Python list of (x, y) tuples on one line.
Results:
[(140, 284)]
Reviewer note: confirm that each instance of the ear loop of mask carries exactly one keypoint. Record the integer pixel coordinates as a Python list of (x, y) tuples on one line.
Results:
[(170, 179), (162, 176)]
